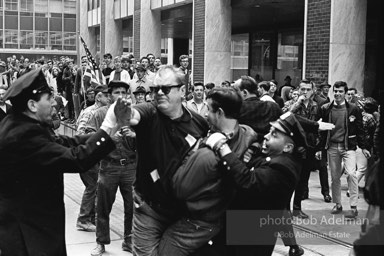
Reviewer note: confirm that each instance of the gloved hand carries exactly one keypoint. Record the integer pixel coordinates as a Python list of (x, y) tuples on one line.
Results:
[(123, 111), (110, 118), (215, 140)]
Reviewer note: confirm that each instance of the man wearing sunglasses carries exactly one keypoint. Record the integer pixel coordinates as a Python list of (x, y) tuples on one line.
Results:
[(165, 132)]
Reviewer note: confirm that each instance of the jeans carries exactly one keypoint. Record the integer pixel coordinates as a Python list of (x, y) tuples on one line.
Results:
[(149, 224), (111, 177), (338, 154), (87, 207), (361, 164)]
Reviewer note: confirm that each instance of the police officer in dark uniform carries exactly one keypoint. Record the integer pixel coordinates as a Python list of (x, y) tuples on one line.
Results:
[(32, 214), (267, 181)]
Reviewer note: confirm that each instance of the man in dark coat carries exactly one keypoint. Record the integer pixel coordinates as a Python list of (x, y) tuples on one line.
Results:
[(265, 185), (32, 215)]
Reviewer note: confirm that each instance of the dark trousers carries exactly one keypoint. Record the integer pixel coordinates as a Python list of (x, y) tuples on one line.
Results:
[(113, 176), (287, 233), (87, 207), (308, 166), (323, 172), (70, 107)]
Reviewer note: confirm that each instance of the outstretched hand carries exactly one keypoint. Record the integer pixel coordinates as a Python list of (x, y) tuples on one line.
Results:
[(323, 126), (123, 111)]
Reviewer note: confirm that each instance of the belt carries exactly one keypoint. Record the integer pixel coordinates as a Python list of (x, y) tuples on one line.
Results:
[(121, 162)]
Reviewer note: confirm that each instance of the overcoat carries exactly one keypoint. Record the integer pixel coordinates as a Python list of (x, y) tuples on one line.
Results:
[(32, 163)]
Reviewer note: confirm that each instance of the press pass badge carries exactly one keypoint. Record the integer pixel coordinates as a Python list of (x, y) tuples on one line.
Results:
[(190, 139), (155, 175)]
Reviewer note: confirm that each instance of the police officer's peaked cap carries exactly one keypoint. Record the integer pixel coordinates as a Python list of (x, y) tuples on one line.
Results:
[(288, 124), (140, 89), (28, 85), (117, 83)]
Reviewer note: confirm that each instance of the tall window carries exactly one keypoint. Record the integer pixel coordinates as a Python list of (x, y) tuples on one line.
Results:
[(26, 20), (11, 5), (69, 41), (26, 40), (41, 6), (70, 6), (97, 33), (239, 55), (41, 38), (56, 40), (26, 5), (1, 38), (11, 19), (11, 39)]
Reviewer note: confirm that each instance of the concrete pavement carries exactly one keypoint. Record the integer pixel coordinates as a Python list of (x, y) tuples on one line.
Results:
[(337, 240)]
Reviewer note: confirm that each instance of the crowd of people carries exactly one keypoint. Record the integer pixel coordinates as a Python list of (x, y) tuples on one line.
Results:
[(181, 153)]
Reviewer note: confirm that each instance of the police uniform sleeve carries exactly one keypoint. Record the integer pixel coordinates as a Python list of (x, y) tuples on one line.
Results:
[(76, 154), (263, 176)]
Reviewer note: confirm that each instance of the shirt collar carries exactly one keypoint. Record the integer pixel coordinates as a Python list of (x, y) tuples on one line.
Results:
[(335, 104)]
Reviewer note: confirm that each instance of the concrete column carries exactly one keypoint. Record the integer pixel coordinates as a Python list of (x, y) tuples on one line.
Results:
[(88, 34), (150, 30), (211, 40), (136, 28), (170, 51), (217, 59), (347, 42), (111, 31)]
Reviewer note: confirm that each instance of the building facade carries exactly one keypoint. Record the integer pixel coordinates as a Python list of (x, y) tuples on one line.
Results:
[(324, 40), (38, 28)]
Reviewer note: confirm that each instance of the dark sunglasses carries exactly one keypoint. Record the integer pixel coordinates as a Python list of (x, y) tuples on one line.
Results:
[(165, 89)]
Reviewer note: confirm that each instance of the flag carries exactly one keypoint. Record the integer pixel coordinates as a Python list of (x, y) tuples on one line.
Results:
[(99, 75)]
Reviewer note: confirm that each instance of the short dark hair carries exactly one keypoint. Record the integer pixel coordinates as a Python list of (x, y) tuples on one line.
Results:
[(249, 84), (183, 57), (107, 55), (352, 89), (265, 85), (197, 84), (228, 99), (142, 58), (339, 84), (149, 54), (370, 105), (307, 81), (210, 86)]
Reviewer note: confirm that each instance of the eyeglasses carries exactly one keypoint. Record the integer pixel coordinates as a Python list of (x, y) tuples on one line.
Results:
[(166, 89)]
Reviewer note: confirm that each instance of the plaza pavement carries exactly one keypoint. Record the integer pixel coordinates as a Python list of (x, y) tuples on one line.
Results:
[(80, 243)]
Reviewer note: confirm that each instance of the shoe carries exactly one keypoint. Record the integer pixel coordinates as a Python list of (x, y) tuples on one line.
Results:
[(327, 198), (295, 251), (127, 246), (337, 209), (300, 214), (98, 251), (351, 214), (89, 227)]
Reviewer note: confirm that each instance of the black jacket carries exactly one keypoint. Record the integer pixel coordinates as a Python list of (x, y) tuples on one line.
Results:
[(32, 216), (354, 135)]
